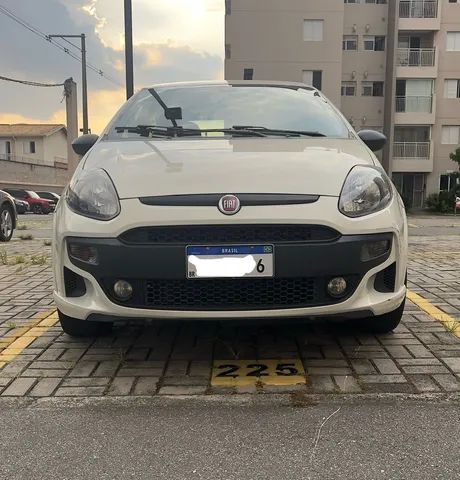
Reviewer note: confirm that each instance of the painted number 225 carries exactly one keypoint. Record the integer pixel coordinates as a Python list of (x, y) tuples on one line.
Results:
[(257, 370)]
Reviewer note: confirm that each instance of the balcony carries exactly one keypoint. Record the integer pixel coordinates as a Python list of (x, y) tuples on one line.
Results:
[(418, 8), (415, 110), (412, 157), (418, 15), (414, 104), (415, 57), (412, 150), (416, 62)]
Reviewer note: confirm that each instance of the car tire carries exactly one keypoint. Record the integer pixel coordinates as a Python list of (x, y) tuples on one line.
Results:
[(6, 223), (83, 328), (37, 209), (385, 323)]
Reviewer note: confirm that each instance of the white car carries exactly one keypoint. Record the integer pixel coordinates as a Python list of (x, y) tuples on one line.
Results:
[(225, 200)]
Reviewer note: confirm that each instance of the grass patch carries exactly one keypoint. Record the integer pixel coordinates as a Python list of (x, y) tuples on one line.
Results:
[(26, 236), (18, 259), (38, 259), (22, 227), (3, 257), (11, 324)]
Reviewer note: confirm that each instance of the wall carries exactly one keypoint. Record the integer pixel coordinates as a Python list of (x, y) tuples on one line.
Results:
[(38, 177), (55, 146)]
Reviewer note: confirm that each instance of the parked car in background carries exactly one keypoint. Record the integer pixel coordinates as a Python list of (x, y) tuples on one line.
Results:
[(51, 196), (37, 204), (21, 206), (8, 216)]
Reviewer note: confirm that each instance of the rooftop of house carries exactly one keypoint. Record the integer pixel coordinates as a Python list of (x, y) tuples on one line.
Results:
[(30, 129)]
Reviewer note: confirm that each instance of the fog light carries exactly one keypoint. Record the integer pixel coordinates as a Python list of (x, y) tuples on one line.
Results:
[(337, 287), (84, 253), (373, 250), (122, 289)]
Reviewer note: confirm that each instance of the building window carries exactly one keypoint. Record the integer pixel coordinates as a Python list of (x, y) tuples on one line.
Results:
[(248, 74), (374, 43), (453, 42), (350, 42), (29, 147), (444, 182), (452, 88), (454, 1), (377, 2), (313, 30), (228, 51), (450, 134), (351, 1), (348, 89), (372, 89), (313, 78)]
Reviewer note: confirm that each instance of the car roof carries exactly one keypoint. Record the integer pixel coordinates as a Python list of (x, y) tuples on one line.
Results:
[(253, 83)]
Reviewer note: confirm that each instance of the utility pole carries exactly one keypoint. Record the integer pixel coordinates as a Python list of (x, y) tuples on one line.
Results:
[(70, 92), (84, 84), (129, 49)]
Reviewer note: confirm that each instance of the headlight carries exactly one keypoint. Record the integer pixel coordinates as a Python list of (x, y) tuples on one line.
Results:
[(92, 194), (366, 190)]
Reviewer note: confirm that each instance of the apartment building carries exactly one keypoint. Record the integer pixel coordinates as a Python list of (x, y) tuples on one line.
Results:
[(390, 65)]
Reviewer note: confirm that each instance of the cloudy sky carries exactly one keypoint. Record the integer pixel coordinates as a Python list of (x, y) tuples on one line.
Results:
[(174, 40)]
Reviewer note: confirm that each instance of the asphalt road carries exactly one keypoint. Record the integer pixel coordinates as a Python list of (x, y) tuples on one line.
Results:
[(230, 439)]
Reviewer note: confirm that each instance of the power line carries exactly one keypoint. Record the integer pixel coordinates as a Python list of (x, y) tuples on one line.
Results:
[(53, 42), (33, 84)]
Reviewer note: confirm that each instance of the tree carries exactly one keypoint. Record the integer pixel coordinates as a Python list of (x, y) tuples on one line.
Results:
[(455, 156)]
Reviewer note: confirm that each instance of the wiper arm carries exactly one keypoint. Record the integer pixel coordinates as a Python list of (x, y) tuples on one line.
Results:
[(275, 131), (178, 131), (147, 130)]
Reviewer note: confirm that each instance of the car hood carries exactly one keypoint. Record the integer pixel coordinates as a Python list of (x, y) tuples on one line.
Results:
[(213, 165)]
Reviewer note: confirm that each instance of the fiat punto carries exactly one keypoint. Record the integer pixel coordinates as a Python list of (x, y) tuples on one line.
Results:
[(229, 200)]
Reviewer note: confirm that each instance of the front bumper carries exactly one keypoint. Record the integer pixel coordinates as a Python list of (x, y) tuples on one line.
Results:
[(298, 265)]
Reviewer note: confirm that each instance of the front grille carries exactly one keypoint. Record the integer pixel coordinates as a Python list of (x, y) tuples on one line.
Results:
[(74, 284), (239, 294), (218, 234), (386, 279)]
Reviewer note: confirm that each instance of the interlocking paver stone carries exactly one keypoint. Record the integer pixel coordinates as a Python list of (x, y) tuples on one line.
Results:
[(121, 386), (45, 387), (452, 363), (386, 366), (19, 387)]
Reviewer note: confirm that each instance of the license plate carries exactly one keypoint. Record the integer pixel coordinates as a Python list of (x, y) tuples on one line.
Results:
[(230, 261)]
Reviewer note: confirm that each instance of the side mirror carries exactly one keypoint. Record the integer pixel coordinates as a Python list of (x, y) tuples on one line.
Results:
[(373, 139), (82, 145)]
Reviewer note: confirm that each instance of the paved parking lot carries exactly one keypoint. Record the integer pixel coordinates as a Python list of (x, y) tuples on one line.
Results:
[(423, 356)]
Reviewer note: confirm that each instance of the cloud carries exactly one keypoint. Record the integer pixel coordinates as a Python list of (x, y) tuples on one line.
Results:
[(175, 40)]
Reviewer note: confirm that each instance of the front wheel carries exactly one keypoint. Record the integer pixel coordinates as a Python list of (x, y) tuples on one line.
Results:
[(6, 223), (83, 328), (385, 323), (37, 209)]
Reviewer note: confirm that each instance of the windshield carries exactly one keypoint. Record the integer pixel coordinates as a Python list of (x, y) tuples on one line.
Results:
[(226, 106), (32, 194)]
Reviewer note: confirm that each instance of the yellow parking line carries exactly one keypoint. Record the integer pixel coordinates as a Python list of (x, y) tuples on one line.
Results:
[(449, 322), (22, 337)]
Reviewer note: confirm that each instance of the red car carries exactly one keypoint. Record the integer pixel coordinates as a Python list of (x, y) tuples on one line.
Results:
[(37, 204)]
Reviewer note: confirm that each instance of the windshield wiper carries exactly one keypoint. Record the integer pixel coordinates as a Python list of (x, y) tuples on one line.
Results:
[(281, 132), (178, 131)]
